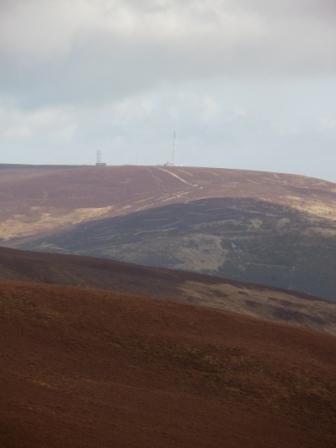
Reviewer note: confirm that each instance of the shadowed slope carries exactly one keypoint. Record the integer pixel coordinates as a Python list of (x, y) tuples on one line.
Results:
[(257, 301), (240, 239), (94, 369)]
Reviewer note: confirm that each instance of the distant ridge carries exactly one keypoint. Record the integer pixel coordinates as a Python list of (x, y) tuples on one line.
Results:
[(33, 166)]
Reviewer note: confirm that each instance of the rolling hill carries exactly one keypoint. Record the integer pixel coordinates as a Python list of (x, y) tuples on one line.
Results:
[(37, 199), (85, 368), (263, 228), (240, 239), (185, 287)]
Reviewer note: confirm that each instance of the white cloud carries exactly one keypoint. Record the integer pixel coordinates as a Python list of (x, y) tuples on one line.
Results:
[(17, 124), (327, 123)]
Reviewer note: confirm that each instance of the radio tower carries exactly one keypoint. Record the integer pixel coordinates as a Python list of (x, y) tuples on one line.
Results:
[(173, 161), (100, 159)]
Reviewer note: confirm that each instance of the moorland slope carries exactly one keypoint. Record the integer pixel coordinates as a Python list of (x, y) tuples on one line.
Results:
[(240, 239), (265, 228), (45, 199), (95, 369), (179, 286)]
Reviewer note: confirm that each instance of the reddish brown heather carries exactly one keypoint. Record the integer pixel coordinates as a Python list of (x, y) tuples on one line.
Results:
[(46, 199), (179, 286), (97, 369)]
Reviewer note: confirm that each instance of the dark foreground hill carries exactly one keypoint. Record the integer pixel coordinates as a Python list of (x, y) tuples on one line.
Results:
[(99, 370), (85, 272)]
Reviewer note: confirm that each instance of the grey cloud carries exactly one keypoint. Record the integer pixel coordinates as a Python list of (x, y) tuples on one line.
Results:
[(95, 50)]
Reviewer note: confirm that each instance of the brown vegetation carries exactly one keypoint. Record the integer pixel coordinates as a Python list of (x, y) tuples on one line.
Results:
[(97, 369), (258, 301), (266, 228), (241, 239), (46, 199)]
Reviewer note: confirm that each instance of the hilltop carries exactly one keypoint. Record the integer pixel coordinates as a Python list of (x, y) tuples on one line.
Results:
[(44, 199)]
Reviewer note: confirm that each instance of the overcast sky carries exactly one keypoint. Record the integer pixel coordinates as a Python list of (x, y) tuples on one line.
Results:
[(245, 83)]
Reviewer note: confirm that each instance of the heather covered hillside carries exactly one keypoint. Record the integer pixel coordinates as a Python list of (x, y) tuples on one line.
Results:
[(246, 240), (264, 228), (179, 286), (100, 369)]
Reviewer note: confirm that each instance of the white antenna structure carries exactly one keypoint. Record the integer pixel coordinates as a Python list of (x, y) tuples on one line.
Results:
[(173, 161), (99, 161)]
